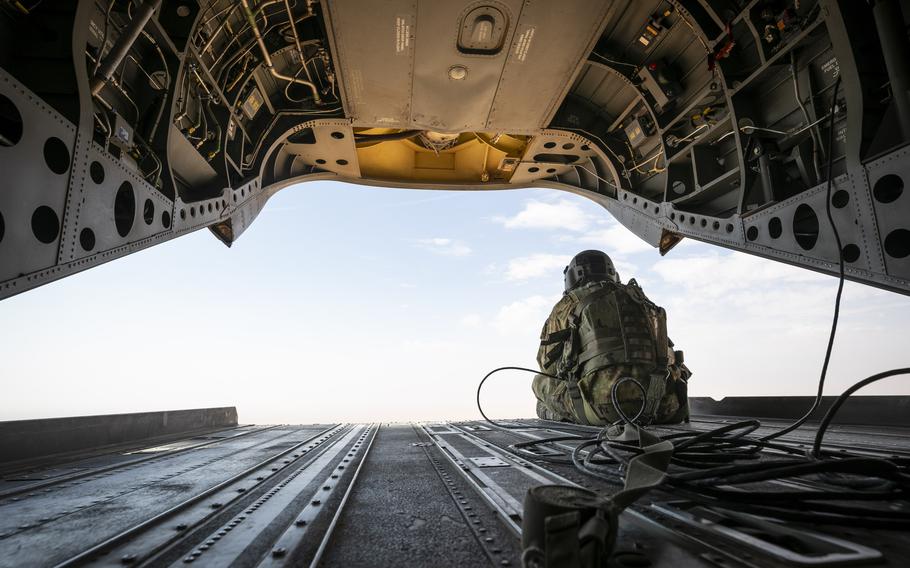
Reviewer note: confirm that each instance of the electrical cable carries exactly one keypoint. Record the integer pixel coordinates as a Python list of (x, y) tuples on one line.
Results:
[(840, 282), (614, 62), (751, 129), (606, 181), (832, 411), (614, 398), (637, 166), (603, 144), (483, 380), (719, 468)]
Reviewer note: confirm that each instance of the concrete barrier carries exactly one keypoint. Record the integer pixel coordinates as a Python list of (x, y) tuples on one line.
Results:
[(27, 440)]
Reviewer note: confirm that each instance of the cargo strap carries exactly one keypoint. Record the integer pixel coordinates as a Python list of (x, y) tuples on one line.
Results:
[(646, 470), (657, 387), (578, 402), (580, 527), (570, 368)]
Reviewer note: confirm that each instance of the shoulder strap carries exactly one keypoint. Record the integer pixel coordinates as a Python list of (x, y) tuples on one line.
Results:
[(590, 294), (660, 376), (556, 337), (584, 297)]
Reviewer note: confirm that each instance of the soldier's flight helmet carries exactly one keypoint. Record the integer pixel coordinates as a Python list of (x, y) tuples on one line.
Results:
[(589, 266)]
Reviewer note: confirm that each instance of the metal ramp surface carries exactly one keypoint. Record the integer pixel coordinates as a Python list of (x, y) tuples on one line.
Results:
[(432, 494)]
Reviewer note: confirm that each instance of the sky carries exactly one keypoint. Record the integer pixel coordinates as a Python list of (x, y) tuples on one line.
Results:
[(348, 303)]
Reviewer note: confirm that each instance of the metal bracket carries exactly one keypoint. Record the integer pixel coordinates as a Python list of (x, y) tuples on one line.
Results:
[(488, 461)]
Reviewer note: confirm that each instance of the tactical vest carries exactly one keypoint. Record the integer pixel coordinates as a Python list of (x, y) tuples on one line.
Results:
[(611, 324)]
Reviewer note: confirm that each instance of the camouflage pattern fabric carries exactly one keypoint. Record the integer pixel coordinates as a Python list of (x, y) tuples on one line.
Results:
[(555, 403)]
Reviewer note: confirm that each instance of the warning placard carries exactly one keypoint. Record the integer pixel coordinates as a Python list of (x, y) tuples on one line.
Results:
[(402, 34), (523, 43)]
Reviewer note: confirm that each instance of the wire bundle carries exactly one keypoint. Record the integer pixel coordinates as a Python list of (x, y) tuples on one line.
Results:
[(725, 466)]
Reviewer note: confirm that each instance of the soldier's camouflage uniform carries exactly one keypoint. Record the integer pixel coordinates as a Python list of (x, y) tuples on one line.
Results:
[(597, 334)]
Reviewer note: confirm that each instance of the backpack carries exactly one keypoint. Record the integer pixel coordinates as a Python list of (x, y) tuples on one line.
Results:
[(612, 324)]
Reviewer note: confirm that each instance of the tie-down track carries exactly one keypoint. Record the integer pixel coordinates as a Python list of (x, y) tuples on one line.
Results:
[(126, 123), (432, 494)]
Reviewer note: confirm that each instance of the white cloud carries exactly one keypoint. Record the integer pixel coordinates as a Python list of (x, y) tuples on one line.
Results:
[(752, 326), (570, 216), (431, 346), (537, 265), (471, 321), (717, 274), (708, 285), (626, 270), (561, 214), (523, 317), (615, 239), (577, 227), (447, 247)]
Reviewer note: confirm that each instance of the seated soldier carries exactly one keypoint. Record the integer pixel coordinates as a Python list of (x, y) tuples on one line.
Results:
[(603, 332)]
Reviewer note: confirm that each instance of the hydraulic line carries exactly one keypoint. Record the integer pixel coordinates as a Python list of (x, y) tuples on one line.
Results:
[(240, 76), (218, 132), (167, 81), (260, 10), (816, 139), (267, 60), (116, 84), (211, 7), (183, 98), (287, 87), (124, 44), (107, 25), (223, 71), (293, 25), (221, 26)]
